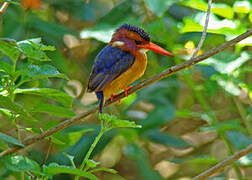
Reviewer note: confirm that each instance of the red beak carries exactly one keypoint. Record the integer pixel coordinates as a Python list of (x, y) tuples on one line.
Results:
[(153, 47)]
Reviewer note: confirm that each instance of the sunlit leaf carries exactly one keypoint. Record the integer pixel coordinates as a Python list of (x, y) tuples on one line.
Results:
[(225, 27), (57, 95), (223, 10), (242, 7), (9, 139), (246, 160), (225, 62), (228, 84)]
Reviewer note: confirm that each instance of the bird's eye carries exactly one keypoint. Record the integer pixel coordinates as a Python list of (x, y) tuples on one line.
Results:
[(138, 42)]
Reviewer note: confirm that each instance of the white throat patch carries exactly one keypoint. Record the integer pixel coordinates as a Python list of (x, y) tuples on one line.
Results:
[(117, 43)]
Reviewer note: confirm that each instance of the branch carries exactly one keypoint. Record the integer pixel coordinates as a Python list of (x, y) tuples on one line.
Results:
[(3, 8), (205, 29), (33, 139), (219, 167)]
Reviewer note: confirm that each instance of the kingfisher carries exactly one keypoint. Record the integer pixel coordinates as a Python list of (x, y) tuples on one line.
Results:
[(121, 62)]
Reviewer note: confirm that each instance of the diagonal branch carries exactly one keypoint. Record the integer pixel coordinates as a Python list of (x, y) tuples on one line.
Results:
[(33, 139), (220, 166)]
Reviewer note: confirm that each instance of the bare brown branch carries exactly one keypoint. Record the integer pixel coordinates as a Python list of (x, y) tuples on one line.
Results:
[(33, 139), (219, 167)]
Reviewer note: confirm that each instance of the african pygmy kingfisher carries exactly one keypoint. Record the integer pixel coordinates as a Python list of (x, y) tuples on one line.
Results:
[(121, 62)]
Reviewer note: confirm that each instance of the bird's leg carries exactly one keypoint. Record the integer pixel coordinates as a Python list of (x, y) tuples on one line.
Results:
[(112, 97), (126, 90)]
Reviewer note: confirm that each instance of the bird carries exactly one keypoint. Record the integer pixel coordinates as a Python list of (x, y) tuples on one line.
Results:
[(122, 61)]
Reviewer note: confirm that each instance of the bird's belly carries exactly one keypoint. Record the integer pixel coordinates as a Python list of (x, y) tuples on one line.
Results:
[(126, 78)]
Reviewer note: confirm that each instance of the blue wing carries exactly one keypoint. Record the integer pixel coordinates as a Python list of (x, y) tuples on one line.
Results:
[(110, 63)]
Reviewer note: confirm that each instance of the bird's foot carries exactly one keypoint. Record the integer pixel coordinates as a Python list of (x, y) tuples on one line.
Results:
[(112, 97), (126, 90)]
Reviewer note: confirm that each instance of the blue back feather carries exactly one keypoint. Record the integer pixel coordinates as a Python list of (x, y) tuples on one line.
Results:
[(110, 63)]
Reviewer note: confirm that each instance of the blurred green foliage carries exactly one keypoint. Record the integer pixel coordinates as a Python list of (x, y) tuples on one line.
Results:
[(190, 121)]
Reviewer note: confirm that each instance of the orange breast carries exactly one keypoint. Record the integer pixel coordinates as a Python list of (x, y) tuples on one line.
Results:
[(128, 77)]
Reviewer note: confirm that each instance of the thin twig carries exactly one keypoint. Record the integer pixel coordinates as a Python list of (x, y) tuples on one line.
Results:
[(48, 151), (220, 166), (3, 8), (35, 138), (203, 36)]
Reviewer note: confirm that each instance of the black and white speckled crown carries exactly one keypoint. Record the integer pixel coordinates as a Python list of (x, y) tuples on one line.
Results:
[(136, 29)]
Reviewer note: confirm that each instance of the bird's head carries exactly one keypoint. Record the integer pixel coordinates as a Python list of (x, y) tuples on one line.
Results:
[(135, 40)]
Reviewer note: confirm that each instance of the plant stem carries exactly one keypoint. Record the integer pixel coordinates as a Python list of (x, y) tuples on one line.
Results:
[(102, 131)]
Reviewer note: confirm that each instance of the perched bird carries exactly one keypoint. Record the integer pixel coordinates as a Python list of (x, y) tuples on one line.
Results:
[(121, 62)]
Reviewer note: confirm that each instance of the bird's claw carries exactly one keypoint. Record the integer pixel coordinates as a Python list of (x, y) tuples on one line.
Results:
[(126, 90)]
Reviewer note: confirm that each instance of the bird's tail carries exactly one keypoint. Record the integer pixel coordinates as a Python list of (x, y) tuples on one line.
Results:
[(100, 97)]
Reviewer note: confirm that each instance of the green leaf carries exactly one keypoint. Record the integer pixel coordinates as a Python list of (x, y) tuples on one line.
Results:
[(6, 103), (6, 67), (114, 122), (33, 54), (135, 152), (59, 96), (158, 7), (36, 43), (159, 117), (53, 110), (9, 48), (55, 168), (7, 113), (10, 139), (124, 123), (165, 139), (70, 158), (20, 164), (224, 126), (33, 72), (238, 139)]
